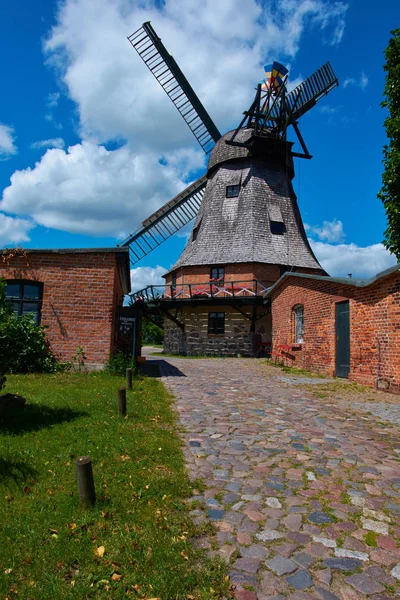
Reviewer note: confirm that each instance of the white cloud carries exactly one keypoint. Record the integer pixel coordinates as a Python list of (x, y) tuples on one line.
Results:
[(14, 230), (7, 142), (51, 143), (141, 277), (360, 82), (330, 231), (117, 97), (341, 259), (88, 189)]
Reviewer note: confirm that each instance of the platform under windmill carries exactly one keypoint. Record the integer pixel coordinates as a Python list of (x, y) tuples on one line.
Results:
[(248, 229)]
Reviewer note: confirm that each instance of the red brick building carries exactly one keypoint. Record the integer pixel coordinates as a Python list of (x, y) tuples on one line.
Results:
[(75, 293), (344, 327)]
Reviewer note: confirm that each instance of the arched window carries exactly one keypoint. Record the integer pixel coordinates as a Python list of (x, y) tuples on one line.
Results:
[(298, 323), (25, 297)]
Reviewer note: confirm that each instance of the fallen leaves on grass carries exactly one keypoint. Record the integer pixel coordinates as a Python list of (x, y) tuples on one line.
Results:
[(100, 551)]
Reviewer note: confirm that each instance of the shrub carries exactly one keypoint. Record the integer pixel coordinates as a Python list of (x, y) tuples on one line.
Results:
[(119, 362), (23, 346)]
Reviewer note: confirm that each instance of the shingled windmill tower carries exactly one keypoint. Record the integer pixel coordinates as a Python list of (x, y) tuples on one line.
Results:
[(248, 229)]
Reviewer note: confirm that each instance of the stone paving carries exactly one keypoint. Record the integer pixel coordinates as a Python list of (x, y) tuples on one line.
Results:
[(304, 494)]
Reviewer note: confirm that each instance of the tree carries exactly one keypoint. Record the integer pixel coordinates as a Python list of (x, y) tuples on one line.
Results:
[(390, 192)]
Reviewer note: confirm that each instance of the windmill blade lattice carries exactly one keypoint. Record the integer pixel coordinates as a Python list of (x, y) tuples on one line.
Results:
[(305, 95), (164, 68), (166, 221)]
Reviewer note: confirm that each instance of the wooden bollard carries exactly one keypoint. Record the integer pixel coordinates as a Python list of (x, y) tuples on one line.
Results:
[(129, 379), (121, 401), (84, 476)]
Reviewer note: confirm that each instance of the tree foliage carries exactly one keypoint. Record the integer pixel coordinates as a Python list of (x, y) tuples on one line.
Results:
[(23, 346), (390, 192), (152, 333)]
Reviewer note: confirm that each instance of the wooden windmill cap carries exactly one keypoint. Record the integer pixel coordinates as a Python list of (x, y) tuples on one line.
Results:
[(264, 147)]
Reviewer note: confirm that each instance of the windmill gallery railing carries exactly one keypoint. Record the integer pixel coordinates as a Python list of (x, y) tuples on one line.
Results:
[(196, 291)]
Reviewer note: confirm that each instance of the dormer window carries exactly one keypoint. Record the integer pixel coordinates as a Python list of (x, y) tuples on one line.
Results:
[(277, 227), (232, 191)]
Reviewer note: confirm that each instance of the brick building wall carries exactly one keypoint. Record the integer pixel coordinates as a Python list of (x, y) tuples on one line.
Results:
[(82, 290), (266, 273), (375, 334), (374, 326)]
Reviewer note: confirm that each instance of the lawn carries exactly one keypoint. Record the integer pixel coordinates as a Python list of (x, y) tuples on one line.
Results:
[(137, 541)]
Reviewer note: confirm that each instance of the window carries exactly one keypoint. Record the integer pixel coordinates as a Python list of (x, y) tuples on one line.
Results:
[(173, 282), (277, 227), (216, 322), (298, 313), (217, 274), (25, 297), (232, 191)]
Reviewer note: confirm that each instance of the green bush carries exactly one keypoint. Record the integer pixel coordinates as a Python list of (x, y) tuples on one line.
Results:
[(119, 362), (23, 346)]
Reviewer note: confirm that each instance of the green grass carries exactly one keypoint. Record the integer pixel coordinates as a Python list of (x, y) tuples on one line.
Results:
[(370, 539), (49, 544)]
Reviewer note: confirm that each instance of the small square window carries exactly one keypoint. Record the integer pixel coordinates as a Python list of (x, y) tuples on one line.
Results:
[(277, 227), (216, 322), (232, 191), (25, 298)]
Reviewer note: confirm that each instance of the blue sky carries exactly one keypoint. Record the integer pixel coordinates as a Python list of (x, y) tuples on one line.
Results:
[(90, 145)]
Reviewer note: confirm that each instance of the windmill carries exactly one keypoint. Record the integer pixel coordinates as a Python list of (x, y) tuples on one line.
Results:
[(271, 113), (248, 229)]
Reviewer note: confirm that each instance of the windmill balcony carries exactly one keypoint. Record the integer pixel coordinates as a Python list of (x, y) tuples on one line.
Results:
[(213, 289)]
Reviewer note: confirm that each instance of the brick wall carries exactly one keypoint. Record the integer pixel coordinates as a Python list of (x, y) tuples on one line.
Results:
[(81, 293), (375, 334), (318, 298), (374, 327), (267, 273)]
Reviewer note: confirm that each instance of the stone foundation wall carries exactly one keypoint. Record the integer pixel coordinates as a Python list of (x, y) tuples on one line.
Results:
[(196, 341)]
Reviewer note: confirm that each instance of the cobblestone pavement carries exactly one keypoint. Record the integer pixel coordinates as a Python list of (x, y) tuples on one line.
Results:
[(304, 493)]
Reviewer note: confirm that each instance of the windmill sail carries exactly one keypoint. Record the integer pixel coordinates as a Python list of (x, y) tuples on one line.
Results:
[(166, 221), (164, 68), (307, 93)]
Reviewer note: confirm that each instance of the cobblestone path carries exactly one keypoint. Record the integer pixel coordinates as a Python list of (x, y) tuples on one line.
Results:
[(305, 494)]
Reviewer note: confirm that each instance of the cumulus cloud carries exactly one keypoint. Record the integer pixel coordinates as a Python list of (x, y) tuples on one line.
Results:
[(88, 189), (14, 230), (330, 231), (341, 259), (360, 82), (7, 142), (141, 277), (117, 97), (51, 143)]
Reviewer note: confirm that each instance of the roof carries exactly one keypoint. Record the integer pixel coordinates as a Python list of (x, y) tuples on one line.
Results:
[(238, 229), (349, 281)]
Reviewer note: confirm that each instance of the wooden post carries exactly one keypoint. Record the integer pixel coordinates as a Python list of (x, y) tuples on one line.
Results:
[(84, 476), (129, 379), (121, 401)]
